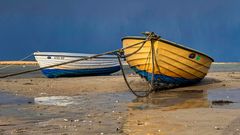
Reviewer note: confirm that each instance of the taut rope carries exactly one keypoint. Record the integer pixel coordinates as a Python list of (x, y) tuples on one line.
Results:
[(150, 37), (26, 57)]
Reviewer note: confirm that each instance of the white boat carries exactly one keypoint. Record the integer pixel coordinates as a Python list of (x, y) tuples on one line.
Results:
[(103, 65)]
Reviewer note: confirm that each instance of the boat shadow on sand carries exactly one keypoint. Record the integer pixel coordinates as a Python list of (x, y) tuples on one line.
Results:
[(172, 98), (204, 84)]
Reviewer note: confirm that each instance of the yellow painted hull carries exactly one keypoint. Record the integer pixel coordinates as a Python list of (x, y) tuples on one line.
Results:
[(173, 63)]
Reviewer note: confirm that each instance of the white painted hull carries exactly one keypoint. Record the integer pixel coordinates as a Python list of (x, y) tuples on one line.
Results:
[(103, 64)]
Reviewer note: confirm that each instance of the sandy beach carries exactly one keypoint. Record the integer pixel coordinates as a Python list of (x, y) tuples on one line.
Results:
[(64, 64), (104, 105), (18, 63)]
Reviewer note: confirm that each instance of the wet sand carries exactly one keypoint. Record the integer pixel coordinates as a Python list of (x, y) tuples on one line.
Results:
[(105, 106)]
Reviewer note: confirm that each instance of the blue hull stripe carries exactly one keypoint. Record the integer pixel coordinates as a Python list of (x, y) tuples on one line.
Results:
[(53, 73), (160, 78)]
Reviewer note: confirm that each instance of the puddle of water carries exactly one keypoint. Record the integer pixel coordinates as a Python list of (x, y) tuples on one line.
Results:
[(7, 98), (14, 105), (95, 112), (100, 99), (222, 98), (218, 98), (108, 108), (171, 100), (22, 107), (55, 100)]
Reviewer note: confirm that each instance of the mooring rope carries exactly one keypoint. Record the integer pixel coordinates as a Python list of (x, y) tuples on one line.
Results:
[(143, 43), (150, 37), (153, 65), (152, 85), (72, 61), (127, 83), (64, 63), (24, 58)]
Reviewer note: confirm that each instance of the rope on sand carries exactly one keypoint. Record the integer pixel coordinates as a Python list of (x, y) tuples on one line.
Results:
[(150, 37), (17, 60)]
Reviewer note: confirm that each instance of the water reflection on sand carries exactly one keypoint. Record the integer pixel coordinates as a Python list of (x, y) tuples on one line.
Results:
[(98, 112)]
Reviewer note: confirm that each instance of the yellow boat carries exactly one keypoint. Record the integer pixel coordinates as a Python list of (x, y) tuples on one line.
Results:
[(162, 61)]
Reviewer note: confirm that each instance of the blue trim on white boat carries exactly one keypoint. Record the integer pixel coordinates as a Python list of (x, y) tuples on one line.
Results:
[(160, 78), (53, 73)]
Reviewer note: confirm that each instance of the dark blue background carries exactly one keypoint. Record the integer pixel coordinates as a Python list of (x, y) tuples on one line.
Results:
[(94, 26)]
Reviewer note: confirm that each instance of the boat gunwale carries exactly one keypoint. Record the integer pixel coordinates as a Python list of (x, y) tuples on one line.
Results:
[(169, 42), (103, 57), (72, 68)]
